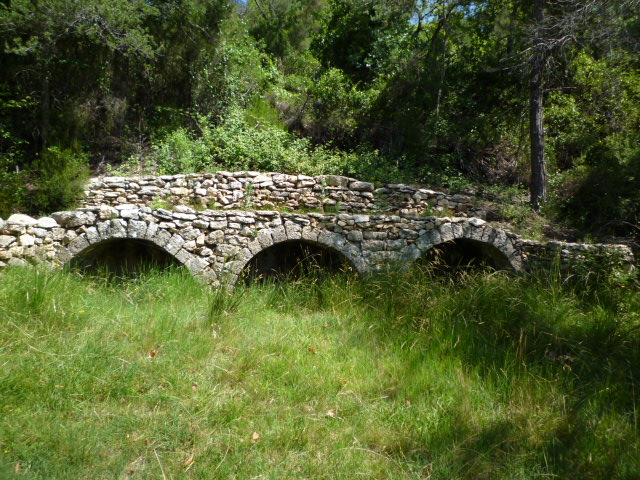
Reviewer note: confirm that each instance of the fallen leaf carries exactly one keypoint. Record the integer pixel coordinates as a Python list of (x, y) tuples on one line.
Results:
[(407, 402), (189, 463), (332, 413), (312, 350), (255, 437), (153, 353)]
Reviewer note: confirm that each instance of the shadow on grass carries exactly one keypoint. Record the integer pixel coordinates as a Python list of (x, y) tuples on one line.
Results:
[(583, 337), (575, 340)]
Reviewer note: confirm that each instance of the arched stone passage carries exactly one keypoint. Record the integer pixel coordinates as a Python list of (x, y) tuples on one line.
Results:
[(293, 258), (465, 253), (122, 257)]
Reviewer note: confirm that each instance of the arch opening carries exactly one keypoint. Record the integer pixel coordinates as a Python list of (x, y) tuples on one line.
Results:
[(123, 257), (464, 253), (292, 259)]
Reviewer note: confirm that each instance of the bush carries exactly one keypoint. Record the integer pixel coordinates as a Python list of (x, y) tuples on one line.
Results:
[(603, 198), (236, 143), (57, 179), (181, 152), (11, 188)]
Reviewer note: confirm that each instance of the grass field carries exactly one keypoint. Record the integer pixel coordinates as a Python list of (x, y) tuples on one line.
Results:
[(484, 376)]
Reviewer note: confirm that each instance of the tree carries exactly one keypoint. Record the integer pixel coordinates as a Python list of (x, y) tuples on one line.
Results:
[(51, 48), (536, 113), (569, 23), (285, 26)]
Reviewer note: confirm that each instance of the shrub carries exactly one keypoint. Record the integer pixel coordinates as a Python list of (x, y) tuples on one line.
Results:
[(604, 198), (238, 143), (11, 189), (180, 152), (57, 179)]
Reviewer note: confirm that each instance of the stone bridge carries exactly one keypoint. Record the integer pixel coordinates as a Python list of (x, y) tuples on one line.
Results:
[(122, 224)]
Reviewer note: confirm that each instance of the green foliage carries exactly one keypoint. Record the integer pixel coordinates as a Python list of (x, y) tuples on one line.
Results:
[(12, 177), (54, 181), (601, 111), (180, 152), (240, 146), (284, 25), (237, 144), (597, 148), (12, 188), (58, 177), (603, 199), (233, 75)]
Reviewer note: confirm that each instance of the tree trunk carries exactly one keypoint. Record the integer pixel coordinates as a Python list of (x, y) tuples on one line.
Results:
[(45, 108), (443, 73), (536, 115)]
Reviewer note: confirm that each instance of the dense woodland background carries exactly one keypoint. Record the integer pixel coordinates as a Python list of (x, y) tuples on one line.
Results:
[(432, 91)]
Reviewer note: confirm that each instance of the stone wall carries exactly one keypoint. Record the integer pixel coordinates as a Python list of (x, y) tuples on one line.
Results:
[(218, 244), (570, 255), (255, 191)]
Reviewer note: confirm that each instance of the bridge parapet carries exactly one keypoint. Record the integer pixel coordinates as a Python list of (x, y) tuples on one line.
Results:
[(219, 244), (254, 190)]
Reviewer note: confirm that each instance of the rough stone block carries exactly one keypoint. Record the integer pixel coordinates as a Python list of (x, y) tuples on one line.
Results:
[(46, 223), (279, 234), (373, 245), (152, 230), (74, 219), (77, 245), (215, 237), (174, 244), (6, 240), (294, 231), (27, 240), (161, 238), (264, 238), (446, 232), (137, 229), (355, 236), (130, 214), (361, 186), (21, 219), (92, 235)]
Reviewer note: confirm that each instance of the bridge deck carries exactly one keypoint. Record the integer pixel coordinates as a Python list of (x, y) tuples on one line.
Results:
[(219, 244)]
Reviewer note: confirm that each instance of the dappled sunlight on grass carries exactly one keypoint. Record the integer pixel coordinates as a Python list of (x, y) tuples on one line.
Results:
[(402, 376)]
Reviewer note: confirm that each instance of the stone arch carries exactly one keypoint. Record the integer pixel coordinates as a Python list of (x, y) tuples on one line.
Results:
[(122, 256), (470, 239), (318, 239), (130, 238)]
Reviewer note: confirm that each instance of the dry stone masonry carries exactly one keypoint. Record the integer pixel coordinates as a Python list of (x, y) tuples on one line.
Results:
[(217, 244), (277, 191)]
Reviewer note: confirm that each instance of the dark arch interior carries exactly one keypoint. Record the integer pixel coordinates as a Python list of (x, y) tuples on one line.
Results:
[(294, 258), (122, 257), (465, 253)]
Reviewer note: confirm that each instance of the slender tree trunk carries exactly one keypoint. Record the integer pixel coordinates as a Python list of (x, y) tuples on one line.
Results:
[(45, 108), (536, 115), (443, 73)]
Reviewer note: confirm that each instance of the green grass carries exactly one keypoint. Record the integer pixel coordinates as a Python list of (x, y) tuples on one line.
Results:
[(484, 376)]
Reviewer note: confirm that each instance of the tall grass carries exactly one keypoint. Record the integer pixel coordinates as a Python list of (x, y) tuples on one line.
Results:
[(400, 376)]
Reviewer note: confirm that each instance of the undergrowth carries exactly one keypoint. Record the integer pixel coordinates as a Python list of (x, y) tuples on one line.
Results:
[(399, 376)]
